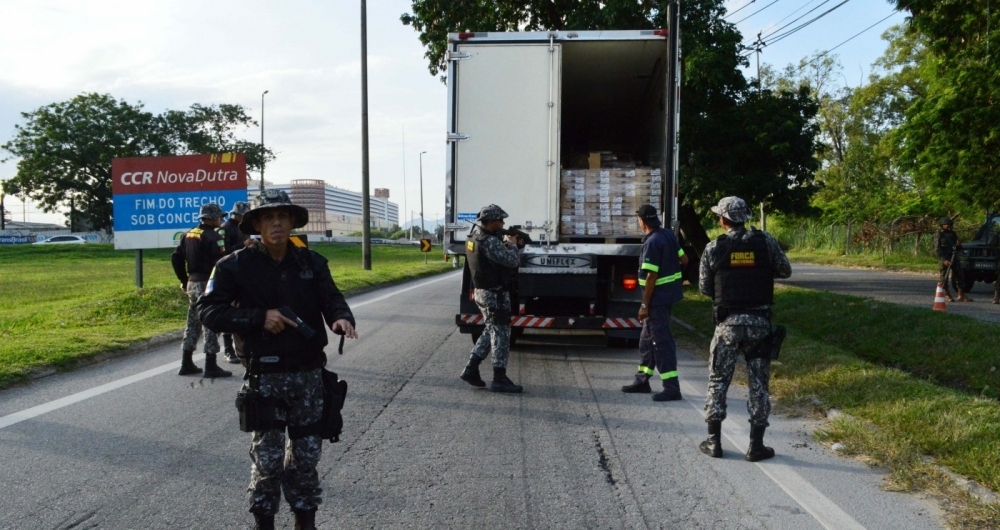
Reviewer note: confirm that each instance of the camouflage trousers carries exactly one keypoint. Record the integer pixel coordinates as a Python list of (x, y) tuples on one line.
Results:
[(288, 466), (495, 307), (957, 275), (728, 346), (194, 326)]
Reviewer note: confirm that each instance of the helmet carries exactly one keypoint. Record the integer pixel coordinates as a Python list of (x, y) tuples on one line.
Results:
[(945, 221), (491, 213), (733, 208), (211, 211), (272, 199)]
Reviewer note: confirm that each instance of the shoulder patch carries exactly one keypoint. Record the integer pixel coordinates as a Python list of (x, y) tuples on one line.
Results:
[(470, 246)]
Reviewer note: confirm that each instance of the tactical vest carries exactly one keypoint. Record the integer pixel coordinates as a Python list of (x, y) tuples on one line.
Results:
[(485, 273), (744, 278)]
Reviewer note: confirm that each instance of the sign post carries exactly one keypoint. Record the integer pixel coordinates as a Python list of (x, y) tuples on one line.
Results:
[(157, 199)]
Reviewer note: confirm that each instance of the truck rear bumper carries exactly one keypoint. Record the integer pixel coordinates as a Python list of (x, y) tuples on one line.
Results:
[(542, 322)]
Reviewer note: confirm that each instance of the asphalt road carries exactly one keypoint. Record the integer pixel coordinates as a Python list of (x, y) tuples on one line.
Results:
[(897, 287), (129, 444)]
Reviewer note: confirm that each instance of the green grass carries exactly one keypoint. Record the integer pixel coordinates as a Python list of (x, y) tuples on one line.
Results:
[(928, 382), (66, 303), (897, 261)]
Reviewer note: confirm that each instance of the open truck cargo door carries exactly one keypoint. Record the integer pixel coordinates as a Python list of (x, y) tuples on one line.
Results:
[(505, 129)]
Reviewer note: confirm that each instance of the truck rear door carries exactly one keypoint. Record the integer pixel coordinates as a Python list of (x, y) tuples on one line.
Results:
[(505, 132)]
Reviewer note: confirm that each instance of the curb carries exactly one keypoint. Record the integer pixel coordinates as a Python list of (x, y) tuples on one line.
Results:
[(973, 488), (163, 338)]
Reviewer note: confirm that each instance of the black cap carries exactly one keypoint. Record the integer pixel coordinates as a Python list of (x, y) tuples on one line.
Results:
[(648, 214)]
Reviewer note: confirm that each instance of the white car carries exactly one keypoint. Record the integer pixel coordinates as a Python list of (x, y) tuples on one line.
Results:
[(62, 240)]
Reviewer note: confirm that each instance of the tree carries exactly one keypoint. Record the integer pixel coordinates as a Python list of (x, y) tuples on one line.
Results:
[(723, 118), (65, 149), (950, 138)]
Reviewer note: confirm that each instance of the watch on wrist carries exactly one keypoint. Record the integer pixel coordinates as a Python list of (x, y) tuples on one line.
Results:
[(644, 306)]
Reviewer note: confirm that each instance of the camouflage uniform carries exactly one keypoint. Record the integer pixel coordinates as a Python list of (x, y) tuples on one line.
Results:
[(291, 469), (737, 335), (945, 246), (194, 326), (495, 307)]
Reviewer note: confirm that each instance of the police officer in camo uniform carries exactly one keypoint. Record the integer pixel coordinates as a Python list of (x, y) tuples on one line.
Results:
[(199, 250), (244, 297), (235, 240), (737, 272), (946, 246), (491, 261)]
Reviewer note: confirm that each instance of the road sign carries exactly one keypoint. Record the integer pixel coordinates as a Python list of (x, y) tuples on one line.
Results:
[(156, 199), (425, 245)]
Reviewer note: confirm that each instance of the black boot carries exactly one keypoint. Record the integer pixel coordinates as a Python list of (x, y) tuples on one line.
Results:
[(639, 386), (264, 521), (471, 373), (502, 383), (757, 450), (187, 365), (713, 445), (230, 355), (671, 391), (305, 519), (996, 297), (212, 369)]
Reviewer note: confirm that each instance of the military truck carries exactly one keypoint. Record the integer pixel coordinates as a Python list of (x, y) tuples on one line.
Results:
[(978, 258)]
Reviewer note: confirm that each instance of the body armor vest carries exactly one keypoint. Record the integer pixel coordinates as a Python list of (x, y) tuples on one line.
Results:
[(744, 278), (485, 273)]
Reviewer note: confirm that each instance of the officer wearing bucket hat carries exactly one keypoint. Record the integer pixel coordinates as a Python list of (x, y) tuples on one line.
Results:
[(660, 276), (245, 296), (491, 262), (198, 251), (737, 272), (235, 240), (946, 246)]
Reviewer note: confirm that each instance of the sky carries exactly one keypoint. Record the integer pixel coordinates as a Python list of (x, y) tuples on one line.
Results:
[(306, 53)]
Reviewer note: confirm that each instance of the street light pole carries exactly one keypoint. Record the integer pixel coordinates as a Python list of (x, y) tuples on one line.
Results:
[(422, 232), (263, 157), (366, 230)]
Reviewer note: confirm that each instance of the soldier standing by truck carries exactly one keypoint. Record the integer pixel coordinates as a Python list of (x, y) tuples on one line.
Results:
[(660, 276), (491, 262), (193, 260), (737, 272), (946, 246), (234, 240)]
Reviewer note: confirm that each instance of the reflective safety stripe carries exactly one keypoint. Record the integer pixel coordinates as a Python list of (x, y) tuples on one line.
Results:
[(647, 371), (663, 280), (649, 267), (668, 375), (680, 253)]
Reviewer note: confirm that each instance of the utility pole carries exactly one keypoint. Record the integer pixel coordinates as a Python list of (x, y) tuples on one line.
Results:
[(404, 177), (422, 231), (366, 229), (263, 158)]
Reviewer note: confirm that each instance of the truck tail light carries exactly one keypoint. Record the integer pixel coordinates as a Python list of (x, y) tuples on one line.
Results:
[(661, 33), (630, 282), (472, 295), (466, 35)]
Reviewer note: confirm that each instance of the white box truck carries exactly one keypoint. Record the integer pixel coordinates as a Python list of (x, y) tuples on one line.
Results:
[(569, 132)]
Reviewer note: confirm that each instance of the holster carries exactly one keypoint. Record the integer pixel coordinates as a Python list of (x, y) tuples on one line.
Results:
[(769, 347), (256, 410), (331, 424)]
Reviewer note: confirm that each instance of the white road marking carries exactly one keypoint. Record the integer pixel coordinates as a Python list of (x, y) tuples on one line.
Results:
[(27, 414), (824, 510)]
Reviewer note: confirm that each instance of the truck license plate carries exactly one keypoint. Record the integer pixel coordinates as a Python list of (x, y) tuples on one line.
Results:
[(984, 265)]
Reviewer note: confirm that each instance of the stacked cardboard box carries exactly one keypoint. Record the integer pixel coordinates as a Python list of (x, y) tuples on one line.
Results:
[(602, 202)]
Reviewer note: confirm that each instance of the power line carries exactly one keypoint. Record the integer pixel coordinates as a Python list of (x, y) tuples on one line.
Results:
[(793, 12), (757, 11), (740, 9), (821, 4), (852, 37), (804, 24), (767, 40)]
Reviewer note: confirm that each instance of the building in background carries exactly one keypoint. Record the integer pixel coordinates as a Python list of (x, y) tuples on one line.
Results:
[(333, 209)]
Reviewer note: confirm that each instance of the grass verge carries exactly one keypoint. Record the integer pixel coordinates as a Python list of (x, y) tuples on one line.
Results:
[(60, 305), (927, 382), (891, 262)]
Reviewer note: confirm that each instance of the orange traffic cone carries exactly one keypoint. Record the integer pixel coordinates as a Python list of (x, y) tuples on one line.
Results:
[(939, 304)]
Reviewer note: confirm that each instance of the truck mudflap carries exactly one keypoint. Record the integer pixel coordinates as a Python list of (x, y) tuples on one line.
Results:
[(542, 322)]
